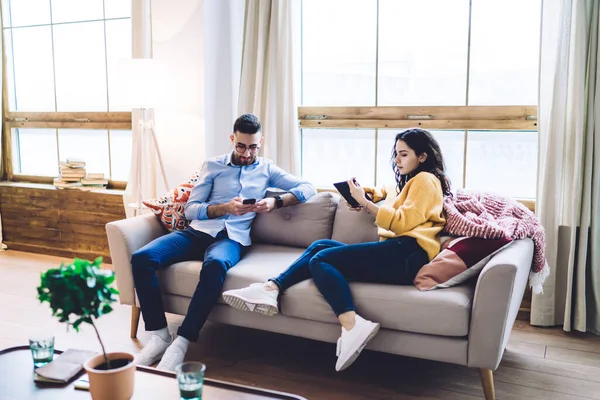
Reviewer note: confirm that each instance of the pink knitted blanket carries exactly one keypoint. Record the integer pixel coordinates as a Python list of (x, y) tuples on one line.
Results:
[(490, 216)]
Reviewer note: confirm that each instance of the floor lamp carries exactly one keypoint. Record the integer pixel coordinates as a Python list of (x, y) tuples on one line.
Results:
[(143, 78)]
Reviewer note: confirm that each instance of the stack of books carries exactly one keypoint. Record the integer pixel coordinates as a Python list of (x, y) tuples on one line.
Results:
[(71, 173), (94, 181)]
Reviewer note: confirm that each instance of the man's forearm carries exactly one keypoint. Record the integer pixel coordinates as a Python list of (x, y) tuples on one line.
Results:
[(217, 210), (289, 200)]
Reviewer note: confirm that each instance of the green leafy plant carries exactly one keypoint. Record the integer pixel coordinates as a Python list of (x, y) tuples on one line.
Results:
[(79, 292)]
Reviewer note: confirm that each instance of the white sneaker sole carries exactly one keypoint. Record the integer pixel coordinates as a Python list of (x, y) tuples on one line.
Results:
[(241, 303), (354, 356)]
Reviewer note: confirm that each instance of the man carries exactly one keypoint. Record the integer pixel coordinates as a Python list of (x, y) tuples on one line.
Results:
[(219, 234)]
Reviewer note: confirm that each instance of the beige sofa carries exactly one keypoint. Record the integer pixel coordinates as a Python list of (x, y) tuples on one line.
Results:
[(466, 325)]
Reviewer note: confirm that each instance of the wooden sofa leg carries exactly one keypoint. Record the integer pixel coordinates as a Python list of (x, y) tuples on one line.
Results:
[(487, 381), (135, 320)]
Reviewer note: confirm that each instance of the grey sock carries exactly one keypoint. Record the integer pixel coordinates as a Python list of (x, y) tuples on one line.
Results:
[(182, 343), (163, 334)]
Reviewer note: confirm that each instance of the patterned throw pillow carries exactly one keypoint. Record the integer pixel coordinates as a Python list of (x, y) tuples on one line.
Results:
[(170, 208), (462, 259)]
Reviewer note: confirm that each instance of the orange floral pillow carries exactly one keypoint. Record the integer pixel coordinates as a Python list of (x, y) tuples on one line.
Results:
[(170, 208)]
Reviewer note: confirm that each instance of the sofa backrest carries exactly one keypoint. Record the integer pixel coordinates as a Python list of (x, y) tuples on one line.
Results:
[(299, 225), (353, 227)]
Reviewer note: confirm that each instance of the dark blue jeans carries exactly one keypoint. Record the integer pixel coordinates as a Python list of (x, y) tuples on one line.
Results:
[(329, 263), (219, 255)]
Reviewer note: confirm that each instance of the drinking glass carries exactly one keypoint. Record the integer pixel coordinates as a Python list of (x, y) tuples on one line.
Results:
[(190, 376), (42, 349)]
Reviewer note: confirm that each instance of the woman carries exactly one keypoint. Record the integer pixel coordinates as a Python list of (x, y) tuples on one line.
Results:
[(409, 223)]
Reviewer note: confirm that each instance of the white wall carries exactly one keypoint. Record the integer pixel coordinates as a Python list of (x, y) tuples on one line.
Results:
[(177, 42), (223, 41)]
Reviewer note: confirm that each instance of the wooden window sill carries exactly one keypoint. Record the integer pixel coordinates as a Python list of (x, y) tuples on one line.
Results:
[(46, 186)]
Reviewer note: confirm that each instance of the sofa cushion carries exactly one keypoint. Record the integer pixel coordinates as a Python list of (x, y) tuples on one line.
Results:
[(405, 308), (299, 225), (353, 227), (264, 261), (170, 208), (461, 259), (444, 312)]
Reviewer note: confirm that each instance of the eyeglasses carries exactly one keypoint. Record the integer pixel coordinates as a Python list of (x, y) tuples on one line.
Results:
[(242, 148)]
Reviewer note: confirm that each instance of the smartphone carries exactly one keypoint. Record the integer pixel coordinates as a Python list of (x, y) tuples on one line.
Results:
[(249, 201)]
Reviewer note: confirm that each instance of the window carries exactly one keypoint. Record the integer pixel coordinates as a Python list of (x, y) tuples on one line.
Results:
[(371, 68), (62, 58)]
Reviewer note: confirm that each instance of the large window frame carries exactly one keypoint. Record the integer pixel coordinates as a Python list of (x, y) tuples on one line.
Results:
[(56, 120), (87, 120), (466, 118), (506, 118)]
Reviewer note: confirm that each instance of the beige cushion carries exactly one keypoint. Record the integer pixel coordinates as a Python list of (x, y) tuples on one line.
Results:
[(353, 227), (299, 225), (264, 261), (444, 312)]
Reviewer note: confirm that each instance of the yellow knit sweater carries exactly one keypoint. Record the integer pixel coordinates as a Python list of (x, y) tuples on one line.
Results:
[(415, 212)]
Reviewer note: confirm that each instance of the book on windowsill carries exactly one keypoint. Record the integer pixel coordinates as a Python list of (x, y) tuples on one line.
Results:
[(68, 179), (75, 162), (94, 181), (66, 166), (95, 175), (66, 184), (72, 176)]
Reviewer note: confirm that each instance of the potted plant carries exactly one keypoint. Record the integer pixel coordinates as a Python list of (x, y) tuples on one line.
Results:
[(81, 292)]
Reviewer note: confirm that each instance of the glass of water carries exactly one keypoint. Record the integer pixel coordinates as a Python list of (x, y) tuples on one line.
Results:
[(190, 376), (42, 349)]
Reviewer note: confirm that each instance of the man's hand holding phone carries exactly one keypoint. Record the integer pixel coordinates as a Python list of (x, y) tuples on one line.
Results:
[(237, 207), (265, 206)]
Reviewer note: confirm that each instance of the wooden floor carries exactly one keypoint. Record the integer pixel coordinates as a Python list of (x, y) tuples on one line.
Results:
[(538, 363)]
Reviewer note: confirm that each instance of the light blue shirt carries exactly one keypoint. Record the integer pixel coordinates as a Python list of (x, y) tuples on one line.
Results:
[(220, 181)]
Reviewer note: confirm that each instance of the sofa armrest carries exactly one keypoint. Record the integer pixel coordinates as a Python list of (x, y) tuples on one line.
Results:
[(124, 238), (496, 302)]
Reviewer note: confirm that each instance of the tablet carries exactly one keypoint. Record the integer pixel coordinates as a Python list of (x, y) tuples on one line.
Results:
[(344, 190)]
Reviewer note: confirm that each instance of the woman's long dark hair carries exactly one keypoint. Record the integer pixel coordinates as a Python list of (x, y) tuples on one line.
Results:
[(422, 141)]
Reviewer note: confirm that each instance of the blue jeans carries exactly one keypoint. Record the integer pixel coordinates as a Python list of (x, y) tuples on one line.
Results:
[(329, 263), (219, 255)]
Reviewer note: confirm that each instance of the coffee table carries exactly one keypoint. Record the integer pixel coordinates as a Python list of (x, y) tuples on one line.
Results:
[(16, 382)]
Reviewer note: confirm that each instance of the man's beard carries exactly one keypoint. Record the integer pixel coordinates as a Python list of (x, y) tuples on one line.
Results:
[(237, 159)]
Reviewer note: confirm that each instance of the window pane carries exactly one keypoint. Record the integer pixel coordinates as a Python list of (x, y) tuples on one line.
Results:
[(503, 162), (76, 10), (34, 79), (452, 146), (118, 46), (338, 52), (117, 8), (423, 63), (36, 152), (504, 58), (10, 77), (120, 154), (89, 145), (5, 13), (29, 12), (80, 67), (333, 155)]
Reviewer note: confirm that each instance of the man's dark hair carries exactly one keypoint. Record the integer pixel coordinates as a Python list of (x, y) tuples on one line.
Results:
[(247, 123)]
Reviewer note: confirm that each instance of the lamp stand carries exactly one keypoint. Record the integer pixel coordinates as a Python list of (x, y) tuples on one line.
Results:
[(148, 125)]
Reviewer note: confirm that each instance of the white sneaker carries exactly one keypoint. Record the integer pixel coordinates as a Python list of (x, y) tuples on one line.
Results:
[(172, 358), (153, 351), (253, 298), (351, 343)]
